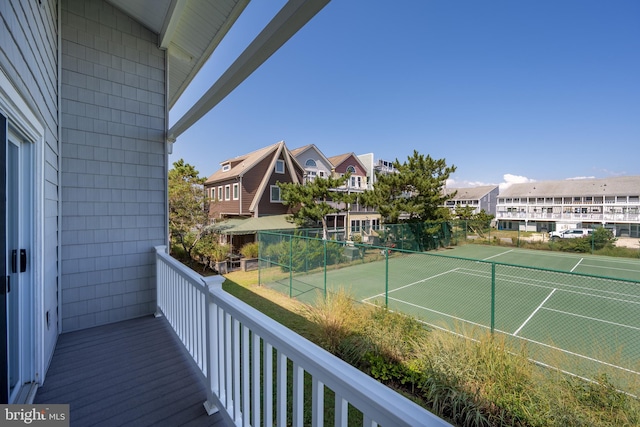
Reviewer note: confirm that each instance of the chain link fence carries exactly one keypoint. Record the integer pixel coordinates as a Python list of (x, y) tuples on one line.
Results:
[(577, 322)]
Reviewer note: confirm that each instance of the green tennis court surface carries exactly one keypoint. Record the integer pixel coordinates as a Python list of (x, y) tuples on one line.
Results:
[(577, 312)]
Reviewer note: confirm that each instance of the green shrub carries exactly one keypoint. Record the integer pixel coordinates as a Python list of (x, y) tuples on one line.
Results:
[(250, 250), (481, 382)]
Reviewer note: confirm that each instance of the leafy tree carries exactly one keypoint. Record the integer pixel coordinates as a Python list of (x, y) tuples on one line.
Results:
[(414, 192), (187, 201), (314, 200), (464, 213)]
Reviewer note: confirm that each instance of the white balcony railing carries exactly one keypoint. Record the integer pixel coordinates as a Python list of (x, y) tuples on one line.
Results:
[(570, 216), (236, 347)]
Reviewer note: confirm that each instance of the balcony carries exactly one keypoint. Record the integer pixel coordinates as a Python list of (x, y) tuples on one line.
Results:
[(207, 352)]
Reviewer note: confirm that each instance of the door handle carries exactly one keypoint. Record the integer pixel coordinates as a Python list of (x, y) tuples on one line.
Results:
[(23, 260), (14, 261)]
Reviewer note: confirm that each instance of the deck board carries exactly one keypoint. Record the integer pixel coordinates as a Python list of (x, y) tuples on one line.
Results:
[(134, 372)]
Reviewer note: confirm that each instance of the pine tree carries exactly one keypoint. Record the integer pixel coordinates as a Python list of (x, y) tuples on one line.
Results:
[(314, 200), (187, 201)]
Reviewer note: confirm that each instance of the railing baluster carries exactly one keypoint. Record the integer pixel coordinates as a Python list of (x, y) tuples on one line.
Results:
[(228, 361), (282, 389), (255, 374), (342, 411), (236, 371), (268, 384), (317, 406), (298, 395), (246, 367)]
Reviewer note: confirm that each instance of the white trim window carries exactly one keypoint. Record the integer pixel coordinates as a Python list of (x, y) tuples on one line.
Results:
[(227, 192), (226, 167), (274, 194), (219, 193), (279, 166), (236, 191)]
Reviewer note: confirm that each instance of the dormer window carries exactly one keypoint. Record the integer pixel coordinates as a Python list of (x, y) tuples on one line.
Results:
[(226, 167), (279, 166)]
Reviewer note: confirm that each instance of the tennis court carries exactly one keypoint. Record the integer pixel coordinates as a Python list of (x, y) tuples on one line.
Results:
[(578, 312)]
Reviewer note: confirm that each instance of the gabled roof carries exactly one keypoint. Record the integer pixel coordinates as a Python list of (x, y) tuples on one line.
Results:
[(470, 193), (615, 186), (341, 158), (241, 165), (297, 152)]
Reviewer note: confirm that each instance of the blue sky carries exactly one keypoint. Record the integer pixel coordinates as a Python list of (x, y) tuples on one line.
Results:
[(505, 90)]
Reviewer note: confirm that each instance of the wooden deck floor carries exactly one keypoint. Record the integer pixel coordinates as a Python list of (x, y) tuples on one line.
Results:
[(129, 373)]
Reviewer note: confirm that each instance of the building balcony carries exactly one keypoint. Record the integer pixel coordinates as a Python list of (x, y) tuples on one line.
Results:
[(207, 358), (570, 216)]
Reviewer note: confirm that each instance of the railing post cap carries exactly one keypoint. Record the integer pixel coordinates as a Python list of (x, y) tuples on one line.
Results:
[(213, 282), (161, 248)]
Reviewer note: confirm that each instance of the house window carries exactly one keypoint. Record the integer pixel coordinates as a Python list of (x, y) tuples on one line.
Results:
[(321, 174), (310, 163), (226, 167), (236, 191), (220, 193), (279, 166), (311, 175), (351, 169), (227, 192), (275, 194)]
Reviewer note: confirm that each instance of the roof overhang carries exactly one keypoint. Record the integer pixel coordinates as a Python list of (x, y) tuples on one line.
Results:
[(190, 31)]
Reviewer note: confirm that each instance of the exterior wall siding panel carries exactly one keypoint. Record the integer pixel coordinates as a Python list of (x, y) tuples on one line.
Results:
[(113, 168)]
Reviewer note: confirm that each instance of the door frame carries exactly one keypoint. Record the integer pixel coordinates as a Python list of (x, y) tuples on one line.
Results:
[(24, 120)]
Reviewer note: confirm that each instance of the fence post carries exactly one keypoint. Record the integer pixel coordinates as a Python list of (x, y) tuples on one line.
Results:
[(324, 245), (291, 266), (493, 296), (259, 259), (386, 277)]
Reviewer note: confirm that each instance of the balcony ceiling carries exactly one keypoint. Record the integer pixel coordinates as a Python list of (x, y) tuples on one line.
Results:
[(192, 30), (189, 30)]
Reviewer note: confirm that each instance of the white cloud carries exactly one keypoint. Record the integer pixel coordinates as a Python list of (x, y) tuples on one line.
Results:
[(452, 183), (575, 178), (513, 179)]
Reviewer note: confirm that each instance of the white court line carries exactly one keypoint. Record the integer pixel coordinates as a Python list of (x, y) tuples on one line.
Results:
[(592, 318), (612, 268), (591, 359), (534, 312), (543, 284), (572, 353), (440, 313), (411, 284), (501, 253), (576, 266)]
